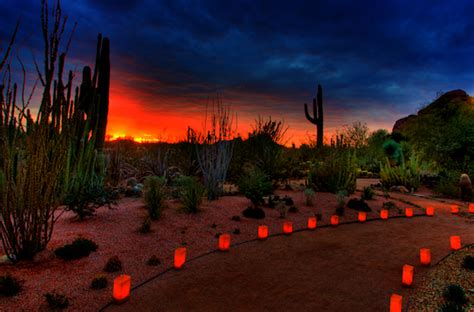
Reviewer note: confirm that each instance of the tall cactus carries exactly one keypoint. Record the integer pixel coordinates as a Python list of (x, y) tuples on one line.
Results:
[(94, 92), (318, 116), (84, 177), (103, 86)]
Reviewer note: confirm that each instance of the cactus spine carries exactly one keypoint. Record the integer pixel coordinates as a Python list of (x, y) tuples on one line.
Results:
[(318, 116)]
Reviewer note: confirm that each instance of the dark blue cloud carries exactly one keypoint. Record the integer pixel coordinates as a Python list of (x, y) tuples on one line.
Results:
[(376, 60)]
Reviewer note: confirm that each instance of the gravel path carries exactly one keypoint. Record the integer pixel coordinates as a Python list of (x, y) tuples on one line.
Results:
[(352, 267)]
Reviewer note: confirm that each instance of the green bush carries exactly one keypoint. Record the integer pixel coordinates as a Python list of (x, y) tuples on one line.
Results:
[(114, 264), (254, 213), (358, 204), (191, 192), (56, 301), (9, 285), (153, 261), (255, 185), (155, 196), (451, 307), (367, 193), (393, 150), (448, 184), (341, 198), (99, 282), (389, 205), (84, 199), (468, 263), (146, 226), (309, 194), (406, 174), (79, 248), (455, 294), (337, 172)]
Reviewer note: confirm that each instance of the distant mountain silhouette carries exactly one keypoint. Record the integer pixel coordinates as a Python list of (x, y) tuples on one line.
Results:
[(446, 106)]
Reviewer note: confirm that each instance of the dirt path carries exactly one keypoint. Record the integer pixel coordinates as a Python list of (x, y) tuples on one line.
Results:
[(349, 268)]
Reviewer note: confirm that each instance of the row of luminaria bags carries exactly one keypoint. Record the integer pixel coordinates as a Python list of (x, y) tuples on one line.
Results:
[(122, 284)]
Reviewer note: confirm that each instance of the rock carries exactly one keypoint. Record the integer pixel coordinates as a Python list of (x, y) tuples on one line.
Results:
[(399, 189), (4, 260), (438, 107), (400, 123)]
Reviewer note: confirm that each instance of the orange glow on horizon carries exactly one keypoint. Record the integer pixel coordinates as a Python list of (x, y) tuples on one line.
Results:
[(132, 117)]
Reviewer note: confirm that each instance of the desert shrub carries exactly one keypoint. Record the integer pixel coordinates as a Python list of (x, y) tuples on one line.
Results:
[(236, 231), (89, 194), (309, 194), (451, 307), (288, 200), (191, 192), (255, 184), (358, 204), (370, 157), (235, 218), (448, 184), (389, 205), (393, 150), (293, 209), (367, 193), (154, 196), (79, 248), (153, 261), (254, 213), (56, 301), (273, 200), (468, 263), (9, 285), (337, 172), (406, 174), (455, 293), (99, 282), (145, 227), (341, 198), (114, 264), (265, 148)]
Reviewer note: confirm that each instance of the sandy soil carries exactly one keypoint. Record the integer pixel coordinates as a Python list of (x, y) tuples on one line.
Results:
[(115, 231)]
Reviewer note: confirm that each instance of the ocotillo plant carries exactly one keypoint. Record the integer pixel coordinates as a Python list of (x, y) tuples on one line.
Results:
[(214, 149), (34, 150), (317, 118), (37, 155)]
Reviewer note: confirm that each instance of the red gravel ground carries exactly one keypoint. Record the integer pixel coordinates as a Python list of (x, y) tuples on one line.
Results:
[(115, 231)]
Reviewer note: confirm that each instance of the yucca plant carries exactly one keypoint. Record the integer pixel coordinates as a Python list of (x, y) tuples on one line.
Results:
[(191, 193), (155, 196)]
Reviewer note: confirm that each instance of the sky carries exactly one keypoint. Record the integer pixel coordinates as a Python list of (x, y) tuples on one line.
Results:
[(377, 61)]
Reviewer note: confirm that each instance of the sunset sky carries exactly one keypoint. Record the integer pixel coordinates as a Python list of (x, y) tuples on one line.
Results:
[(376, 60)]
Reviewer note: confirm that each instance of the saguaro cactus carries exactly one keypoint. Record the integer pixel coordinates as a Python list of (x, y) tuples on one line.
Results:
[(94, 92), (318, 116)]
